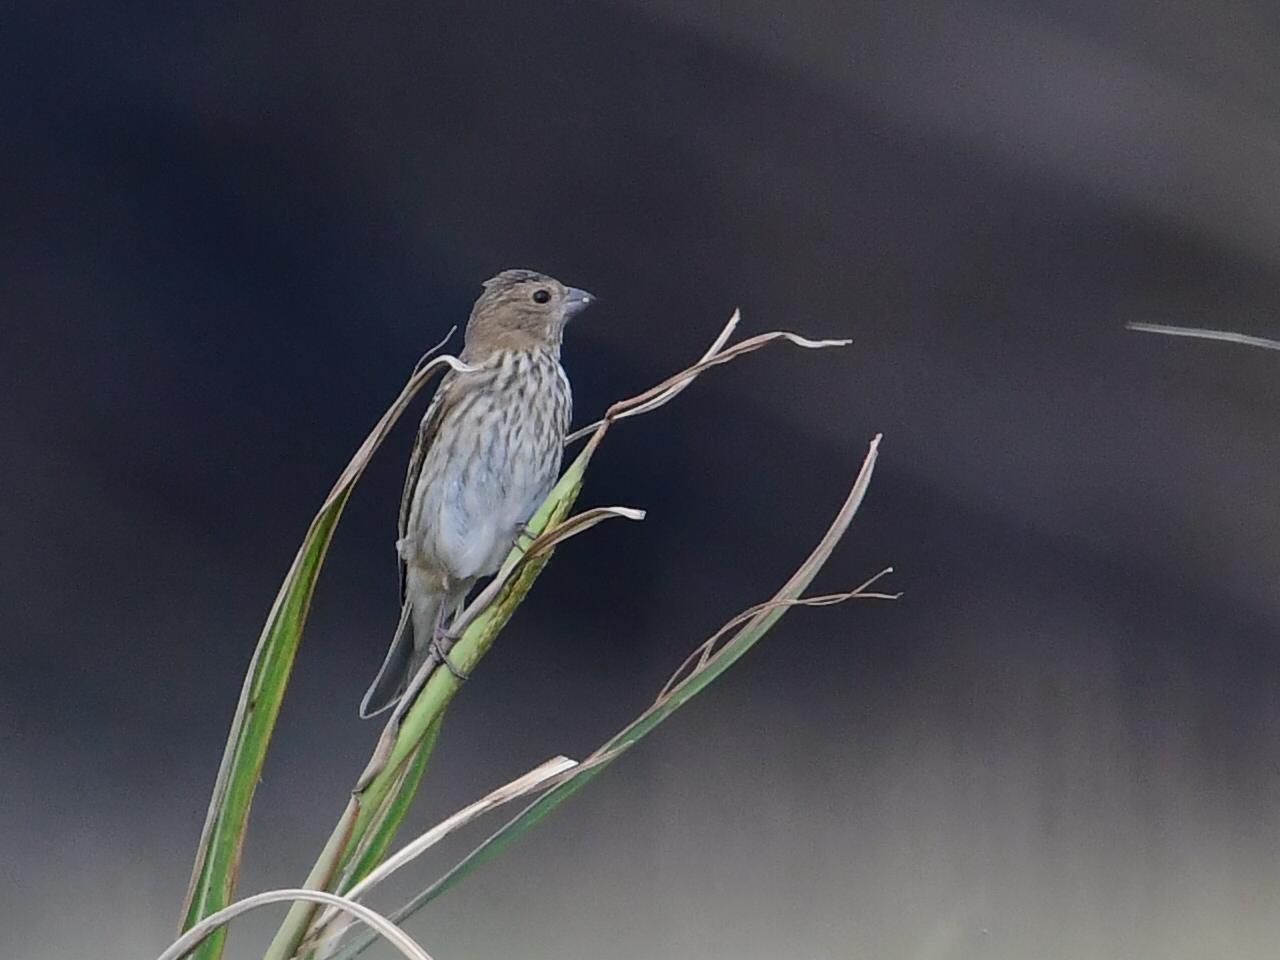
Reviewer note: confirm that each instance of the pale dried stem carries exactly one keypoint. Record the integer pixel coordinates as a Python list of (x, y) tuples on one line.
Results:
[(190, 940), (668, 389), (536, 779), (715, 347), (1199, 333), (569, 527), (705, 652)]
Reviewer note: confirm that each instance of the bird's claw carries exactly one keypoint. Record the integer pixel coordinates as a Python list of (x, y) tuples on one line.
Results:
[(441, 644)]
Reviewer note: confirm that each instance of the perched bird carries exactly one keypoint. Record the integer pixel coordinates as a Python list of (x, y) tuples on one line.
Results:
[(488, 452)]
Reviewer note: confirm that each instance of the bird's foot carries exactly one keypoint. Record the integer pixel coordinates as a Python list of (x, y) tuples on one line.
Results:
[(524, 530), (441, 644)]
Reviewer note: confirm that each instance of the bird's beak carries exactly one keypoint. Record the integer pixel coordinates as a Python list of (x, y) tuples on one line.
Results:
[(577, 301)]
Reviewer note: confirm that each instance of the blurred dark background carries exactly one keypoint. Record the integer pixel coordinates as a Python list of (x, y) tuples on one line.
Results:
[(228, 232)]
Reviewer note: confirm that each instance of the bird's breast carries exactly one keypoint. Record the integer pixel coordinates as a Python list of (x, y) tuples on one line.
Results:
[(494, 459)]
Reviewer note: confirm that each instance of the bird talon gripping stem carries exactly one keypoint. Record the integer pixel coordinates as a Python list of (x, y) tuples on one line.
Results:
[(441, 644)]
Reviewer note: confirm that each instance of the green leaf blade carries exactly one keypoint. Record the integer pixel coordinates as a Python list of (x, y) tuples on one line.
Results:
[(218, 865)]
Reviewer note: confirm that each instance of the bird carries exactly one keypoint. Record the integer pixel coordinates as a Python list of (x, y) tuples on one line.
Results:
[(487, 453)]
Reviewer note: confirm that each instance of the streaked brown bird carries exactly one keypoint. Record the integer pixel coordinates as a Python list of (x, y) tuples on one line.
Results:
[(488, 452)]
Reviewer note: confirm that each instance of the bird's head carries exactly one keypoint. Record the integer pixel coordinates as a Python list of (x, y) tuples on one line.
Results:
[(523, 308)]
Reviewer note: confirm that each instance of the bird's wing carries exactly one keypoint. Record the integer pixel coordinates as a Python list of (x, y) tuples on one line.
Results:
[(427, 431)]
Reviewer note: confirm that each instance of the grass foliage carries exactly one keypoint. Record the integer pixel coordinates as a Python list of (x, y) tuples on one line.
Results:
[(355, 857)]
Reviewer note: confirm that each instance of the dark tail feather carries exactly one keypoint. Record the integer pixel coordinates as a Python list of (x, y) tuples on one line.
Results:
[(397, 669)]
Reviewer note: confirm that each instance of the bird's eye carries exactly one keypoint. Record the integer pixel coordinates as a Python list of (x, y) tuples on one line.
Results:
[(542, 296)]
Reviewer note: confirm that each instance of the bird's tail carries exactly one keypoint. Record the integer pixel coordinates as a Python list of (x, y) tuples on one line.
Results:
[(401, 663)]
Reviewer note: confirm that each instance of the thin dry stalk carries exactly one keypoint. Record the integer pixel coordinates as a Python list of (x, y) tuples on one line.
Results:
[(1200, 333), (394, 935), (706, 651), (325, 929), (721, 339)]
